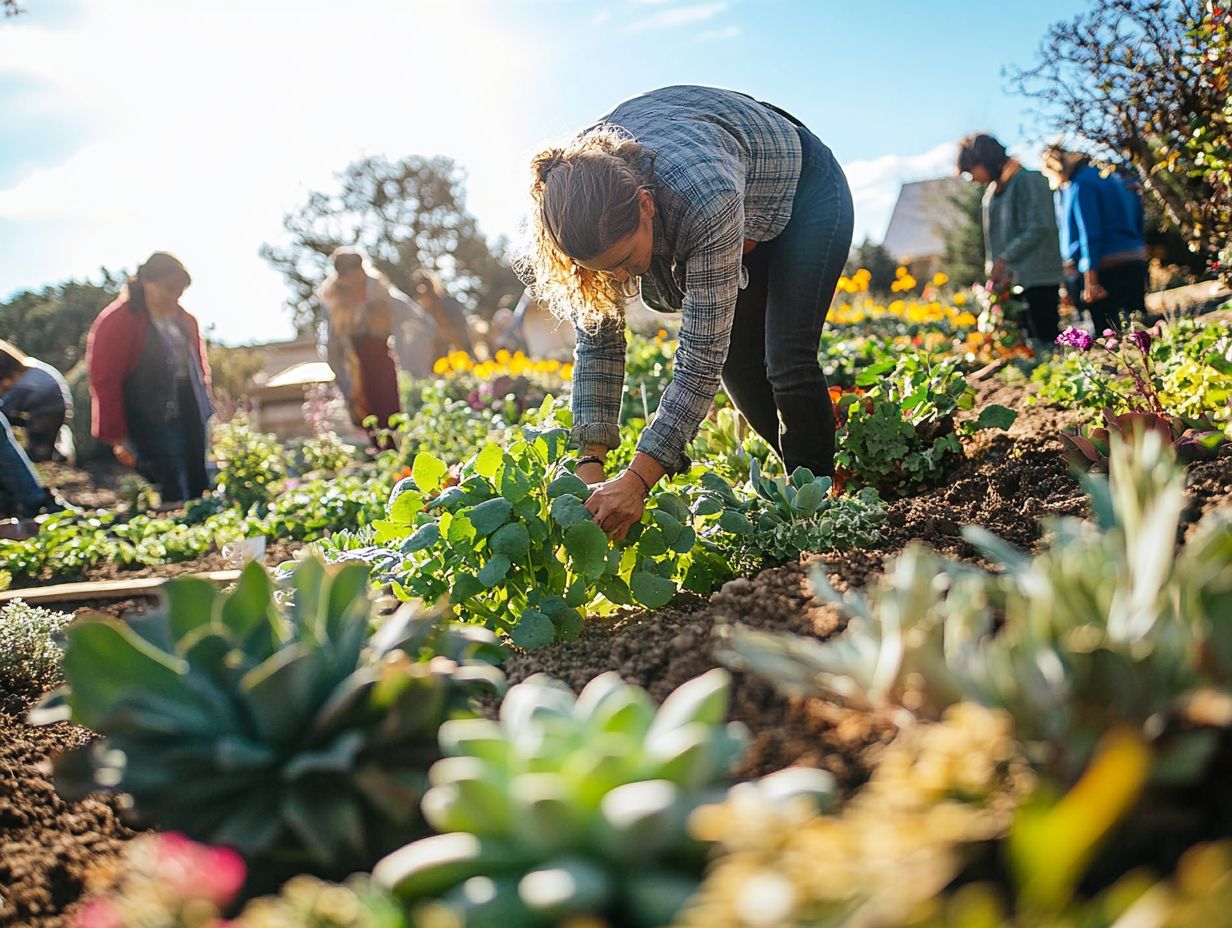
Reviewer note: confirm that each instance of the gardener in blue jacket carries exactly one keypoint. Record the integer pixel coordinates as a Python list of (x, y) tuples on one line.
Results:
[(1101, 238)]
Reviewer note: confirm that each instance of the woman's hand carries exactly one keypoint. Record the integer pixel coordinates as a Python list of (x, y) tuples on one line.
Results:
[(618, 503), (1094, 292), (124, 455)]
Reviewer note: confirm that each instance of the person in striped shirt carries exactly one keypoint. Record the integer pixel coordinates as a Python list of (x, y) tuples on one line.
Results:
[(729, 210)]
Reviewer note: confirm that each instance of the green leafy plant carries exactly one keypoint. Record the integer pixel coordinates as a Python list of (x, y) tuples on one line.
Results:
[(785, 517), (286, 733), (570, 807), (727, 445), (512, 544), (250, 464), (29, 652), (1088, 448), (308, 902), (902, 432)]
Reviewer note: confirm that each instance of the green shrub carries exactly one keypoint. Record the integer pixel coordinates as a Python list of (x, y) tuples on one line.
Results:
[(250, 464), (29, 653)]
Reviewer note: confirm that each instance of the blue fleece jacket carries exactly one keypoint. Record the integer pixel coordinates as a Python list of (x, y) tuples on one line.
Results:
[(1096, 218)]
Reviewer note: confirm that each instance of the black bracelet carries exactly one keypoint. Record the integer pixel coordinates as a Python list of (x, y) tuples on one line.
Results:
[(589, 459), (639, 477)]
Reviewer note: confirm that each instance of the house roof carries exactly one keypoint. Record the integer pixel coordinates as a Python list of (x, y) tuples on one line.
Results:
[(924, 212)]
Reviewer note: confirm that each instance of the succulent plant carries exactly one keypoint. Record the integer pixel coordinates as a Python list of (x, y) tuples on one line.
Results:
[(570, 806), (1106, 626), (287, 733)]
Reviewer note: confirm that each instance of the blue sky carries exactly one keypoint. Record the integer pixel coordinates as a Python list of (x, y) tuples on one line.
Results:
[(193, 125)]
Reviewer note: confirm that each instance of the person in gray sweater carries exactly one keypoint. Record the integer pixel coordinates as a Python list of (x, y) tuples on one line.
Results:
[(1021, 243)]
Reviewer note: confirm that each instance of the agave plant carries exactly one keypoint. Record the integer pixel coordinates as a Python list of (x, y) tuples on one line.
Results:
[(570, 807), (288, 734)]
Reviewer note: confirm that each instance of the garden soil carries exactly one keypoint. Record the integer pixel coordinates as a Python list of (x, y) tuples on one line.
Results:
[(1008, 483)]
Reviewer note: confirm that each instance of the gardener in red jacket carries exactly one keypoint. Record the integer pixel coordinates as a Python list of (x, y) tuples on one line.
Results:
[(151, 382)]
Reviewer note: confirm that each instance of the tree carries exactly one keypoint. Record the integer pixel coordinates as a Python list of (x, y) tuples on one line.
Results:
[(964, 239), (406, 215), (52, 323), (879, 262), (1134, 79)]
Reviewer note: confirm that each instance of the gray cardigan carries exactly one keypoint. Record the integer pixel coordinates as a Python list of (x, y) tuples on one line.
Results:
[(1020, 227)]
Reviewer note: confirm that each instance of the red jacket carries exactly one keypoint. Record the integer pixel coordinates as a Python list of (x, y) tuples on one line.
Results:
[(113, 350)]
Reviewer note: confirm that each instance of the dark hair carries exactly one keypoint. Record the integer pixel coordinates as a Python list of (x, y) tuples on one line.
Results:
[(159, 266), (984, 151), (12, 360)]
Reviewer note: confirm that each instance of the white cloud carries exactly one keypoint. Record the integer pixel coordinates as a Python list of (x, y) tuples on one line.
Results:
[(209, 137), (875, 183), (677, 16), (717, 35)]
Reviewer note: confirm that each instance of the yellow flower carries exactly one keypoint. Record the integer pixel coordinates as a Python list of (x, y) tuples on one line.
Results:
[(960, 299), (940, 279), (441, 366), (566, 371), (964, 320), (503, 356)]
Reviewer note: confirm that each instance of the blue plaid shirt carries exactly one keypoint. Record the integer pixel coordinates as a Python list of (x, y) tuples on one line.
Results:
[(725, 170)]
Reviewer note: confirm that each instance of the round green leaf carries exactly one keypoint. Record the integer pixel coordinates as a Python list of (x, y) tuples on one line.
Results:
[(428, 472), (569, 484), (569, 510), (651, 591), (587, 547), (490, 515), (512, 540), (494, 571), (534, 630)]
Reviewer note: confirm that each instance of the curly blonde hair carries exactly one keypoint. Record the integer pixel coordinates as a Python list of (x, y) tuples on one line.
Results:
[(585, 197)]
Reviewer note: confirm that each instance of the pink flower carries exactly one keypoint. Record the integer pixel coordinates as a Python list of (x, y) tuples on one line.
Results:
[(1141, 340), (98, 913), (198, 871), (1075, 338)]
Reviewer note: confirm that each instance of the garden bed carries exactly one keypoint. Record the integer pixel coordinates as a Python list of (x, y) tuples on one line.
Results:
[(51, 849)]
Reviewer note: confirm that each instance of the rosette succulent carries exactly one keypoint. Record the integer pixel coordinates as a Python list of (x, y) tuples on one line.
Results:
[(291, 734), (570, 806)]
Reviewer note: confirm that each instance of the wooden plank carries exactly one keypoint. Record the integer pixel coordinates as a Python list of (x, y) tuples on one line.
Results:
[(106, 589)]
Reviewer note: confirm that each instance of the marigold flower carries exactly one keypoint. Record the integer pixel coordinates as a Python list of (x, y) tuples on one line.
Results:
[(940, 279)]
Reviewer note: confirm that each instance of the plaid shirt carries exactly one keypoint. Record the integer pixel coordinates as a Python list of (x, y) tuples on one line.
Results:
[(725, 170)]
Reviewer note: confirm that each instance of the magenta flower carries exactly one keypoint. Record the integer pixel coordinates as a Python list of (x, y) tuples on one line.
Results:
[(1075, 338), (1141, 340)]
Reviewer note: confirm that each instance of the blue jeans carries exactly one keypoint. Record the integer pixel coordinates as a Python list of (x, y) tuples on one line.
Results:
[(772, 372), (18, 480)]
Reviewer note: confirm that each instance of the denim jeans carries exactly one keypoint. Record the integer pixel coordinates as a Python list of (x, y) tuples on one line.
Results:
[(772, 372), (172, 456), (17, 478)]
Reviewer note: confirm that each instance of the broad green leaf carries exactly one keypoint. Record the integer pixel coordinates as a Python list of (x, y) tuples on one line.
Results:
[(616, 591), (568, 483), (995, 416), (587, 547), (669, 525), (512, 481), (652, 543), (511, 540), (685, 540), (190, 604), (248, 611), (490, 515), (428, 472), (735, 522), (651, 591), (488, 461), (568, 510), (464, 587), (494, 571), (424, 537), (577, 594), (533, 630), (460, 532), (406, 507), (810, 498), (104, 660)]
